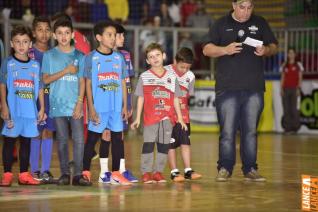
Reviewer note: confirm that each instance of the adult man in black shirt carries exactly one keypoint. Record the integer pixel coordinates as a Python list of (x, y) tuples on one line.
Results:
[(240, 84)]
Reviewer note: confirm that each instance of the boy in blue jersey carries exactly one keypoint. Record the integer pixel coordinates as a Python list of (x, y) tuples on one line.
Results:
[(106, 137), (20, 88), (67, 86), (43, 144), (105, 73)]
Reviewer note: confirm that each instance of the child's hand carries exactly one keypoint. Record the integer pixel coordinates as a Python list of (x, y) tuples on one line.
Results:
[(130, 112), (183, 125), (72, 69), (5, 113), (124, 114), (41, 116), (135, 124), (93, 116), (77, 113)]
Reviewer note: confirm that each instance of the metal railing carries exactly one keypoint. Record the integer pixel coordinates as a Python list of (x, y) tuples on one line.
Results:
[(305, 40)]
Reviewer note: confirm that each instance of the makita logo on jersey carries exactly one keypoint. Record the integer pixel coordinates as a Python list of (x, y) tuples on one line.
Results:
[(160, 94), (108, 76), (23, 83)]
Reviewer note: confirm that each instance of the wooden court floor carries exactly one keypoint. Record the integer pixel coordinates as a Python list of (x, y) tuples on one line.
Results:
[(282, 160)]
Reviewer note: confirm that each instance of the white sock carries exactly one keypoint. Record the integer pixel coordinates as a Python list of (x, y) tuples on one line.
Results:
[(187, 169), (122, 167), (103, 165), (174, 170)]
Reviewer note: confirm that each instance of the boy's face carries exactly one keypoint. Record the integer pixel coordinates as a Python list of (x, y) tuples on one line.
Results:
[(42, 32), (155, 58), (21, 44), (182, 67), (120, 39), (63, 35), (108, 38)]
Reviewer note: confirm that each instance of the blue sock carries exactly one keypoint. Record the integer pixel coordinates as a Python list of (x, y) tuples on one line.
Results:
[(35, 154), (47, 146)]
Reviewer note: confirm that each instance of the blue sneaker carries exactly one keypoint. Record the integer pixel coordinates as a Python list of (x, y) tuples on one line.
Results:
[(104, 177), (129, 176)]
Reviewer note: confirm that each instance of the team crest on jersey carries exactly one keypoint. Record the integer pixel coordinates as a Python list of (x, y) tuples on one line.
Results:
[(95, 58), (116, 66), (188, 80), (169, 80), (35, 65), (116, 57), (33, 75)]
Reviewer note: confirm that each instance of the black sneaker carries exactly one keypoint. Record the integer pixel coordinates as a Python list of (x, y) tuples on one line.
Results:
[(37, 175), (65, 179), (47, 178), (79, 180), (176, 177), (192, 175)]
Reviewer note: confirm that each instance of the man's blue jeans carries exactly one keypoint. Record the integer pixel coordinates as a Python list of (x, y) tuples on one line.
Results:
[(238, 110), (62, 136)]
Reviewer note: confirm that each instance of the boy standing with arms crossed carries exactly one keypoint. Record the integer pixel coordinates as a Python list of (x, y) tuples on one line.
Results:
[(181, 138), (105, 73), (158, 91), (20, 88), (41, 29), (67, 88)]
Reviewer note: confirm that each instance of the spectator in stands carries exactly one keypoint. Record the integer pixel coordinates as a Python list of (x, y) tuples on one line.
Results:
[(187, 8), (84, 10), (164, 15), (153, 7), (99, 11), (118, 10), (290, 90), (240, 84), (174, 12)]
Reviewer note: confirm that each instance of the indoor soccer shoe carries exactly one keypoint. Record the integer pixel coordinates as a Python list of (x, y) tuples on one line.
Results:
[(129, 176), (37, 175), (176, 177), (7, 179), (104, 177), (158, 177), (87, 175), (47, 178), (25, 178), (118, 179), (192, 175), (147, 178)]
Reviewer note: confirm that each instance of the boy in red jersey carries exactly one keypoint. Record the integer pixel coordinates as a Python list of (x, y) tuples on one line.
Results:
[(181, 138), (158, 91)]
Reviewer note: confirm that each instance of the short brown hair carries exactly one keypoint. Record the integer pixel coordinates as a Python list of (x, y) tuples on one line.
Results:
[(41, 19), (185, 55), (21, 30), (152, 47)]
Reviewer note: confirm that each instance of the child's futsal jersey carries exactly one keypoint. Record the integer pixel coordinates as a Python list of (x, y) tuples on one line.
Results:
[(22, 79), (106, 72), (64, 91), (186, 82), (130, 73), (158, 93), (37, 55)]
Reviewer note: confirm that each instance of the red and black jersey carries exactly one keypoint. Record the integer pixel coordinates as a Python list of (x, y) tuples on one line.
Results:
[(291, 73), (186, 82), (158, 93)]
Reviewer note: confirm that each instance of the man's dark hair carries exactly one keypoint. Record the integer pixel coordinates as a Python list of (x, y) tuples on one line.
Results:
[(100, 27), (185, 55), (21, 30)]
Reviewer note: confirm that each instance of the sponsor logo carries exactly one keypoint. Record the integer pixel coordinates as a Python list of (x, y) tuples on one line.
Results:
[(309, 197), (108, 76), (25, 94), (309, 110), (69, 78), (160, 94), (23, 84), (109, 87)]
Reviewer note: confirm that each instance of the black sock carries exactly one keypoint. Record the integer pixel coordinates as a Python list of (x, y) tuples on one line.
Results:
[(24, 153), (104, 149), (7, 153), (117, 149), (89, 148)]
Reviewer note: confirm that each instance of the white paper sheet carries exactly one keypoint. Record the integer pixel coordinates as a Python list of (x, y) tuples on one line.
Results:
[(253, 42)]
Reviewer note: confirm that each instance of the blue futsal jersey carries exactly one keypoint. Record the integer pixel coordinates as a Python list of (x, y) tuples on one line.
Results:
[(64, 91), (106, 72), (22, 79)]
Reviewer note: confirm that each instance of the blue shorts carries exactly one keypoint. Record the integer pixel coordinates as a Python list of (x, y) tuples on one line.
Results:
[(111, 120), (48, 124), (26, 127)]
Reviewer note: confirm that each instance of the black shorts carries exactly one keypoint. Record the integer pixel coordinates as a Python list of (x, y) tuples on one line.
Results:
[(179, 136)]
